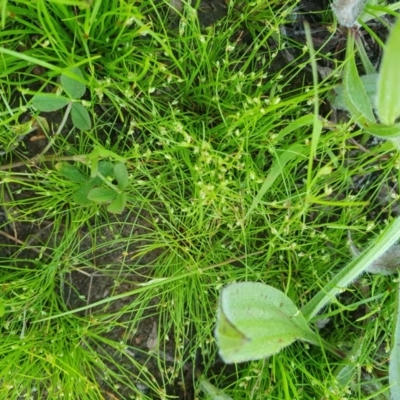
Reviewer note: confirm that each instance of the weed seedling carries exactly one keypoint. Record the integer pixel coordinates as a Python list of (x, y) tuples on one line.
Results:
[(98, 187), (74, 90)]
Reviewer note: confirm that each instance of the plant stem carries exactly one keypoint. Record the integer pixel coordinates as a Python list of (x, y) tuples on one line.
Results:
[(33, 161), (59, 130)]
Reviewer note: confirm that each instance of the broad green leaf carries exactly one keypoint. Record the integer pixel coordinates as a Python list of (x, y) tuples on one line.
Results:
[(74, 87), (355, 268), (81, 195), (117, 205), (70, 172), (369, 82), (388, 90), (255, 321), (355, 96), (102, 195), (121, 173), (106, 168), (292, 153), (394, 365), (49, 102), (80, 117)]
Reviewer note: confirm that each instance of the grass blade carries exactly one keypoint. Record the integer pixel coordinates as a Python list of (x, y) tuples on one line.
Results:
[(394, 367), (291, 153), (348, 274)]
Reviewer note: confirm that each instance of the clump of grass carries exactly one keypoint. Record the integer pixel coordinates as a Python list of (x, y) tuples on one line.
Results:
[(200, 118)]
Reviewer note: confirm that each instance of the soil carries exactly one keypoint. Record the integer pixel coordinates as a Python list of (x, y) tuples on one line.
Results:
[(94, 281)]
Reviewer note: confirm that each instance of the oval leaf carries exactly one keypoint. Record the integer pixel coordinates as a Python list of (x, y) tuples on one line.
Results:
[(102, 195), (255, 321), (81, 195), (80, 117), (118, 205), (70, 172), (106, 168), (121, 173), (74, 87), (49, 102)]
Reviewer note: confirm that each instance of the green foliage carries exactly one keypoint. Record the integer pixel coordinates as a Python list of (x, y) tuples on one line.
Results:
[(227, 183), (71, 82), (365, 95), (80, 117), (49, 102), (98, 189), (256, 321), (388, 93)]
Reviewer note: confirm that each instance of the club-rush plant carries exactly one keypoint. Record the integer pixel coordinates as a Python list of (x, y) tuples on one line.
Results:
[(255, 320), (74, 89)]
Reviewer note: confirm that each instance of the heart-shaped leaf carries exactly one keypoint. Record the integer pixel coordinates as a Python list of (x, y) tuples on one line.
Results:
[(80, 117), (74, 87), (255, 321), (49, 102)]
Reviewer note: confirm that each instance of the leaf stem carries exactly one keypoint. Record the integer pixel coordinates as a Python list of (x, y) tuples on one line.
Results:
[(59, 130)]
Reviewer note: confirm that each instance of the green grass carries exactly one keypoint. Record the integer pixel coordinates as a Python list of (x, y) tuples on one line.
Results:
[(201, 117)]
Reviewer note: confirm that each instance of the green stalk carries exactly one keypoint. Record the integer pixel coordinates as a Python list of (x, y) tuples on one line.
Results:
[(350, 273)]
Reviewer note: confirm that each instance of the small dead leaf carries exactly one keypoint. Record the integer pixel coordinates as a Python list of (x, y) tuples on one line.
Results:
[(152, 340)]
